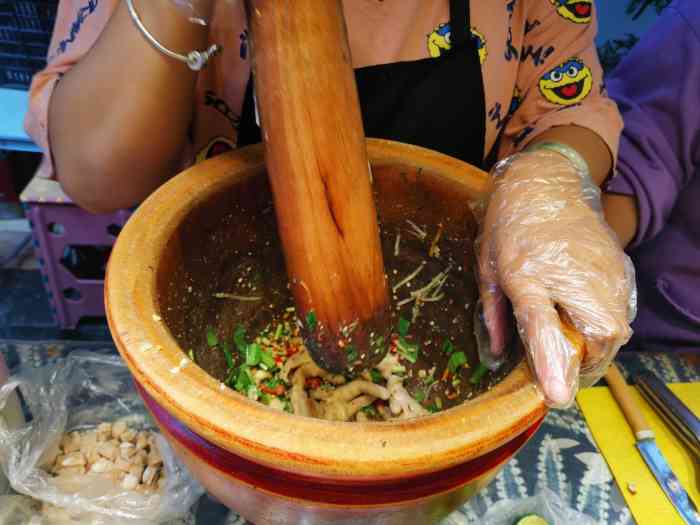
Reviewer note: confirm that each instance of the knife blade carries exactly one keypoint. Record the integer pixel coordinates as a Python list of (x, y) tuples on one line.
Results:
[(646, 445), (675, 413)]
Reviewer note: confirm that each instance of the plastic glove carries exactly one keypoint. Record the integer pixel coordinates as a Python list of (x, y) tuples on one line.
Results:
[(544, 245)]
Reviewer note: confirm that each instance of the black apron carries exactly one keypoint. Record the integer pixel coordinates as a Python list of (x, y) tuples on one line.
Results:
[(437, 103)]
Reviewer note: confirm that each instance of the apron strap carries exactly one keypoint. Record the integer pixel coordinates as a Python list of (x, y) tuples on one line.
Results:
[(460, 26)]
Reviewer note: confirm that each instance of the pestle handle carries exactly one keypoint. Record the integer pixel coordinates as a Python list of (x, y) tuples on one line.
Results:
[(319, 173)]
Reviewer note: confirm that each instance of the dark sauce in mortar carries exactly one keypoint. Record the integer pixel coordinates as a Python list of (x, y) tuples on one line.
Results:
[(432, 288)]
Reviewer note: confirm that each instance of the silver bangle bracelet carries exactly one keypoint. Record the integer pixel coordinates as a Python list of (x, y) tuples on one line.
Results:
[(566, 151), (195, 60)]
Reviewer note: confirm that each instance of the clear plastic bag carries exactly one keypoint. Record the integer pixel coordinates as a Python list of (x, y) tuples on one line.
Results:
[(23, 510), (78, 394)]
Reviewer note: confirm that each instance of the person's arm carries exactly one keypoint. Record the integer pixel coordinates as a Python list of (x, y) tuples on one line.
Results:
[(621, 215), (544, 244), (118, 119), (563, 95), (660, 145)]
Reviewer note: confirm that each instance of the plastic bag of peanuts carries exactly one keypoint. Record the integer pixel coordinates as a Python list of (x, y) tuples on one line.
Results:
[(89, 452)]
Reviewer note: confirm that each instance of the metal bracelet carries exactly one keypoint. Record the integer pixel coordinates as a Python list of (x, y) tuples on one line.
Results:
[(195, 60), (567, 151)]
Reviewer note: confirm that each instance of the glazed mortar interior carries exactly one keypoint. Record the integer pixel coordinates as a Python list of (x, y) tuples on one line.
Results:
[(234, 230)]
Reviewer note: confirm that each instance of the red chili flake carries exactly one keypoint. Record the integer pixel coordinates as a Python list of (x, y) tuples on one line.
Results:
[(452, 395), (445, 374), (277, 391), (291, 350), (279, 360), (313, 382)]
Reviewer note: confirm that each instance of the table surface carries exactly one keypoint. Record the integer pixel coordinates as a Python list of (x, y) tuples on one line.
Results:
[(561, 458), (13, 107)]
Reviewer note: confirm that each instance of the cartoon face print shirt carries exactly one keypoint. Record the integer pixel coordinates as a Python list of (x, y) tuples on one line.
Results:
[(538, 57)]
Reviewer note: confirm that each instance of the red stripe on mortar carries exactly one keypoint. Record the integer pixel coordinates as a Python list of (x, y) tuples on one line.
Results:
[(332, 491)]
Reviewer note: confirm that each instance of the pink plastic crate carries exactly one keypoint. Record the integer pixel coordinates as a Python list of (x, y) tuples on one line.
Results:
[(70, 244)]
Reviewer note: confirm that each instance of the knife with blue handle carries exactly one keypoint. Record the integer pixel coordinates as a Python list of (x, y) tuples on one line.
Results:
[(675, 413), (646, 444)]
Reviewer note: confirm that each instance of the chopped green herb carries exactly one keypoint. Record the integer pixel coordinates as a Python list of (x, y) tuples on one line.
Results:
[(253, 354), (239, 338), (419, 396), (398, 369), (352, 353), (243, 381), (264, 398), (370, 411), (212, 339), (227, 354), (457, 360), (230, 380), (376, 376), (404, 325), (192, 356), (428, 380), (438, 403), (377, 344), (408, 350), (278, 331), (272, 383), (433, 408), (311, 320), (267, 359), (447, 347), (479, 373), (253, 392)]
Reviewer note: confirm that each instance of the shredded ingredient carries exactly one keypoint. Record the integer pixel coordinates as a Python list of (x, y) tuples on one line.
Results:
[(409, 277), (234, 297), (434, 250), (416, 230), (276, 369)]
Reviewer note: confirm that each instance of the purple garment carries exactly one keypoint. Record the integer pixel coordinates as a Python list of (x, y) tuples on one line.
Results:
[(657, 87)]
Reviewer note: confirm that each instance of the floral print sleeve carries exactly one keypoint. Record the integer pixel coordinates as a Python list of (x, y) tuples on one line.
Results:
[(559, 81)]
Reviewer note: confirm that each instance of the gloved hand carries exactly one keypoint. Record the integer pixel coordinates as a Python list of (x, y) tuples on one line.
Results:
[(544, 245)]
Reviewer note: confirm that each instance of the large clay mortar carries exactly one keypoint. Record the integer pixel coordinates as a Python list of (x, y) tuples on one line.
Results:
[(273, 467)]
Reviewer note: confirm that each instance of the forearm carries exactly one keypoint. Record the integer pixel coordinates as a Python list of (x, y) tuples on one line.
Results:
[(621, 214), (119, 118), (587, 143)]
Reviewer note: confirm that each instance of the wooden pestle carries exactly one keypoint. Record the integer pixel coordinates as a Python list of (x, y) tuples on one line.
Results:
[(317, 163)]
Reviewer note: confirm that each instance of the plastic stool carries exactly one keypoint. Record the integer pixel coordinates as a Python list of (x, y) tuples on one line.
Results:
[(61, 229)]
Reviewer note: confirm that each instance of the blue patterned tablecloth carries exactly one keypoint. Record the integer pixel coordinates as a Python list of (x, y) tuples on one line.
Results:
[(561, 458)]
